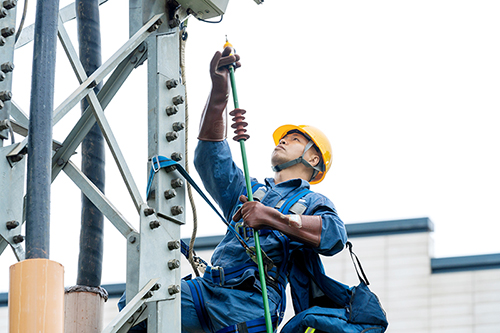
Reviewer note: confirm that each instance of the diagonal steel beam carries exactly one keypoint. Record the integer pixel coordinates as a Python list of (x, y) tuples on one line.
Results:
[(70, 51), (106, 68), (19, 115), (101, 119), (116, 152), (87, 120), (99, 199)]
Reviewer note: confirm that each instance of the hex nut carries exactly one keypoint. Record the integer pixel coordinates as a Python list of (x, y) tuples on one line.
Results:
[(173, 264), (5, 95), (177, 182), (154, 224), (169, 194), (18, 239), (176, 156), (149, 211), (11, 225), (7, 67), (170, 168), (9, 4), (178, 126), (176, 210), (171, 110), (174, 289), (171, 136), (4, 124), (7, 32), (174, 245), (178, 100), (172, 83)]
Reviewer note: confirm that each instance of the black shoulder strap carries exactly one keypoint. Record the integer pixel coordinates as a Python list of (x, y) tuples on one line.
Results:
[(355, 260)]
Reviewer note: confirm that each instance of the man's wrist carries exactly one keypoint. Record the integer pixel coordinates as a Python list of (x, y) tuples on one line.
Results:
[(294, 221)]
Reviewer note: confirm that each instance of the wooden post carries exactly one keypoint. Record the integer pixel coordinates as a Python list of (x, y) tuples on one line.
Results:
[(84, 310)]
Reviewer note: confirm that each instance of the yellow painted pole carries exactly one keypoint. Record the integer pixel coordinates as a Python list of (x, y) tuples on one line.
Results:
[(36, 297)]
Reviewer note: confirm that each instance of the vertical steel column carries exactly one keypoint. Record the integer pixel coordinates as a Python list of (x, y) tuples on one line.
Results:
[(156, 254), (40, 130), (166, 94)]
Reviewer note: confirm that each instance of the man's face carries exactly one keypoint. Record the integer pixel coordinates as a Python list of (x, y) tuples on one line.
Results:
[(290, 147)]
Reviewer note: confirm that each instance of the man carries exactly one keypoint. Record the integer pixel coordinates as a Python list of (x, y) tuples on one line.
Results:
[(228, 297)]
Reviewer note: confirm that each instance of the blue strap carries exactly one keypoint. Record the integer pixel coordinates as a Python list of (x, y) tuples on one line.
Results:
[(184, 249), (185, 252), (199, 305), (252, 326), (285, 241), (219, 275), (291, 201), (159, 162)]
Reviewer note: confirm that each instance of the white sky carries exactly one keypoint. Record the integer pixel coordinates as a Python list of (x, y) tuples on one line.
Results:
[(407, 92)]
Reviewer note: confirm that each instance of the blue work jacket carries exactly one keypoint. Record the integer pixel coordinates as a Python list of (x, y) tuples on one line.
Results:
[(226, 182)]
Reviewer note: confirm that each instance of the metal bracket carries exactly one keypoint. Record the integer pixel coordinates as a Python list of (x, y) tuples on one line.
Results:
[(130, 309), (11, 201)]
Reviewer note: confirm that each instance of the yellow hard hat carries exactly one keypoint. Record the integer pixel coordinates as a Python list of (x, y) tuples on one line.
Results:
[(319, 139)]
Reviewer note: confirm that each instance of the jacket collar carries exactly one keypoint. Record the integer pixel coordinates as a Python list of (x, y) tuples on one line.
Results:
[(294, 183)]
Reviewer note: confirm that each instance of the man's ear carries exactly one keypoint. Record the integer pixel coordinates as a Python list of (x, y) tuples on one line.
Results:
[(314, 160)]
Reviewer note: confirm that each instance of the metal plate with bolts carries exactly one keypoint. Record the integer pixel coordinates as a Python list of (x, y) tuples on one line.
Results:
[(11, 200)]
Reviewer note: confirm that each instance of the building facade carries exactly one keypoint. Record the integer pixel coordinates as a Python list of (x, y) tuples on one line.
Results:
[(420, 293)]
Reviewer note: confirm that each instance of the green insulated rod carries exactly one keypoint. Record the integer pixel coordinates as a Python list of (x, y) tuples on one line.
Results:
[(240, 125)]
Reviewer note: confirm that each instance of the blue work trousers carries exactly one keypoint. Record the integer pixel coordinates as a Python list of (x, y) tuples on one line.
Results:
[(225, 306)]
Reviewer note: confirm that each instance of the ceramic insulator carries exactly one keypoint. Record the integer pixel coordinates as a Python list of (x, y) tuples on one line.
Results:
[(239, 124)]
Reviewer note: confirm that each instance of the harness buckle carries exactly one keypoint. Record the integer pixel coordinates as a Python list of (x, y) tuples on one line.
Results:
[(155, 164), (221, 274), (243, 231), (200, 264)]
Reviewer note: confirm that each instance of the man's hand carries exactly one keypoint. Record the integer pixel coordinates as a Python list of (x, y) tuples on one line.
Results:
[(304, 228), (213, 124), (219, 66), (256, 215)]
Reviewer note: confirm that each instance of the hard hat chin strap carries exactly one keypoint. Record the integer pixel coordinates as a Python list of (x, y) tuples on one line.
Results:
[(301, 159)]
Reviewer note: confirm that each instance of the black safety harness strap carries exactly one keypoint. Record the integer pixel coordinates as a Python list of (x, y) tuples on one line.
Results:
[(355, 260)]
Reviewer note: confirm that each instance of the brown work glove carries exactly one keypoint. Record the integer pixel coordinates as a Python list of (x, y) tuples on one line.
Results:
[(214, 118), (304, 228)]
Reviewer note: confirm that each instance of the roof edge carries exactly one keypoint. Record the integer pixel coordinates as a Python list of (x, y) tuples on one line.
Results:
[(392, 227), (365, 229), (465, 263)]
